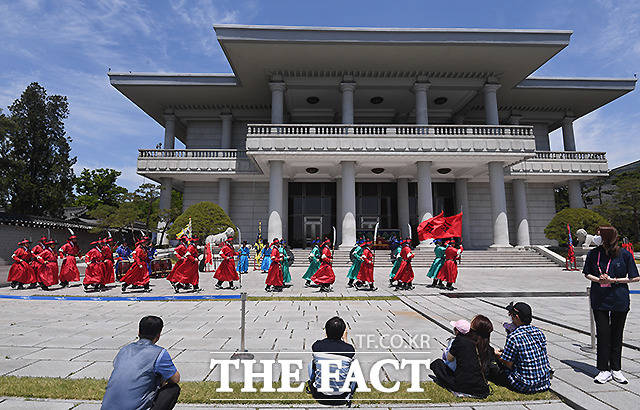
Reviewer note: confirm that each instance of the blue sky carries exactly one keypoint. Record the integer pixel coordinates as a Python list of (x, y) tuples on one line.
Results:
[(69, 45)]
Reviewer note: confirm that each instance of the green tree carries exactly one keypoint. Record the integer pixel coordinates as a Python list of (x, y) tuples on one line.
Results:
[(576, 218), (596, 190), (146, 195), (207, 219), (37, 176), (98, 187), (561, 196), (623, 207)]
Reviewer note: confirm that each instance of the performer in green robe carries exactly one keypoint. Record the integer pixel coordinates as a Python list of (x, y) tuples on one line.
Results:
[(284, 265), (437, 263), (396, 247), (356, 260), (314, 262)]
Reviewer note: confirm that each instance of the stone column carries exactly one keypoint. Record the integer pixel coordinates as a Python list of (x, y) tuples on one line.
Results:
[(425, 194), (403, 206), (165, 205), (541, 134), (275, 200), (224, 194), (339, 211), (285, 208), (422, 114), (567, 134), (498, 205), (348, 204), (462, 204), (227, 126), (491, 103), (347, 89), (169, 131), (277, 102), (520, 202), (575, 194)]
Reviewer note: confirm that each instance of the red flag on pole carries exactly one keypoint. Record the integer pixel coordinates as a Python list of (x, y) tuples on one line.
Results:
[(451, 227), (428, 226)]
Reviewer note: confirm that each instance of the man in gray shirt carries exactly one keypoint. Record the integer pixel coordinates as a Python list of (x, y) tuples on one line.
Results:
[(143, 376)]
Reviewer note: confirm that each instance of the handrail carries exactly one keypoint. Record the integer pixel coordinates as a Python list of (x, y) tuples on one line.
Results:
[(191, 153), (283, 130), (570, 155)]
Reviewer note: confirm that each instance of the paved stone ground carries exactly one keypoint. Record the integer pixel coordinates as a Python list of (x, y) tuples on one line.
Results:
[(80, 338)]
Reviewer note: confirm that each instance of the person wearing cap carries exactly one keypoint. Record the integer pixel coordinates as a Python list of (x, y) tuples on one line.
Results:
[(395, 247), (190, 275), (35, 251), (69, 270), (94, 273), (107, 255), (465, 364), (243, 259), (356, 260), (226, 271), (314, 262), (610, 270), (176, 271), (274, 280), (449, 271), (436, 266), (325, 277), (285, 263), (404, 277), (124, 253), (365, 273), (524, 361), (266, 256), (47, 262), (21, 271), (138, 273)]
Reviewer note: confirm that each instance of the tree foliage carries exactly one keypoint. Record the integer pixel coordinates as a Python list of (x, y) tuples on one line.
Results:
[(577, 218), (96, 187), (622, 206), (36, 176), (207, 219)]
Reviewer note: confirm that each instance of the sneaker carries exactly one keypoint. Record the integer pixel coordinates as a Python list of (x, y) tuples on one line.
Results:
[(603, 377), (619, 377)]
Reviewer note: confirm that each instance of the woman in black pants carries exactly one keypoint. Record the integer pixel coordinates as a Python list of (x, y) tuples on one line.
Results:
[(610, 269)]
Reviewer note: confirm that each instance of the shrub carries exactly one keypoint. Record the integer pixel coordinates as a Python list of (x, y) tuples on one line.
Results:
[(576, 218), (207, 219)]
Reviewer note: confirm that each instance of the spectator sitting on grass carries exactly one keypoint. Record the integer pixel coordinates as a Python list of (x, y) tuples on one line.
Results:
[(143, 376), (333, 348), (524, 362)]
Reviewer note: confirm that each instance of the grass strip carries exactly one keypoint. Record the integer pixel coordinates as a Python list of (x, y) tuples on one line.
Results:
[(204, 392)]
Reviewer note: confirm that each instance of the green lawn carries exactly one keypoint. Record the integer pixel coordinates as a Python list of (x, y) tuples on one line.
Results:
[(204, 392)]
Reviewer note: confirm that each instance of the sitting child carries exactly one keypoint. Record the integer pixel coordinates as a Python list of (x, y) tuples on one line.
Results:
[(459, 327)]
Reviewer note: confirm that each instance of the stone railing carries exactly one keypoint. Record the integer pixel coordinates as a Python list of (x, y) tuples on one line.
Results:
[(328, 130), (190, 153), (193, 161), (571, 155), (562, 163)]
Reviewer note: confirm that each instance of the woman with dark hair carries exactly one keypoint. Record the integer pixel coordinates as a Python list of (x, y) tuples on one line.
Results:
[(473, 356), (610, 269)]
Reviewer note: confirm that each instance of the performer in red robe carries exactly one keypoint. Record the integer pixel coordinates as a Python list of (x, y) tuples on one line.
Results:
[(189, 274), (138, 273), (226, 271), (274, 280), (449, 271), (94, 273), (365, 273), (47, 266), (324, 276), (69, 270), (107, 254), (404, 276), (35, 251), (176, 271), (21, 272)]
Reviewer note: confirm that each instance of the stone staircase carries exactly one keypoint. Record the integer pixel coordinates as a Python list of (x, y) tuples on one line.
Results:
[(508, 258)]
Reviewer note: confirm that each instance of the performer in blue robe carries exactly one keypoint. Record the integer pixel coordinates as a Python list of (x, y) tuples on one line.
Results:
[(266, 257), (284, 264), (243, 261), (314, 262), (437, 262), (355, 255), (396, 259)]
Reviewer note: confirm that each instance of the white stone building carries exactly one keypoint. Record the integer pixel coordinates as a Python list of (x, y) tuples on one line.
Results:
[(320, 127)]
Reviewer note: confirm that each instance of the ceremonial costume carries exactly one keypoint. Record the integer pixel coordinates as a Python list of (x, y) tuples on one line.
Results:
[(47, 267), (94, 273), (274, 276), (396, 259), (69, 270), (405, 271), (189, 274), (449, 271), (35, 251), (266, 259), (107, 254), (365, 274), (284, 264), (243, 260), (21, 271), (356, 260), (123, 253), (227, 269), (176, 270), (138, 273), (325, 276), (436, 266), (314, 263)]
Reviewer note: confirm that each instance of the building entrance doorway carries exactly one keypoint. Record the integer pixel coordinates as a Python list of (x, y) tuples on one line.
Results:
[(312, 212), (312, 229)]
